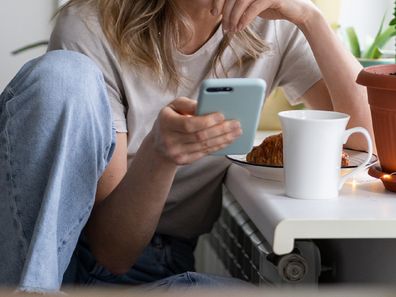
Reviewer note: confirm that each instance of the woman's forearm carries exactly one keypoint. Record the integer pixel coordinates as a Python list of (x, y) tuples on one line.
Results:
[(123, 224), (340, 70)]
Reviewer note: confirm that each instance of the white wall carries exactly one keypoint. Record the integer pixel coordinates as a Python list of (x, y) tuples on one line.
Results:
[(366, 16), (22, 22), (26, 21)]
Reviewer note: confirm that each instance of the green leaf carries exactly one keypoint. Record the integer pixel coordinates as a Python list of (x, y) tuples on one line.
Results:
[(380, 41), (377, 54), (384, 38), (30, 46), (353, 41), (369, 53)]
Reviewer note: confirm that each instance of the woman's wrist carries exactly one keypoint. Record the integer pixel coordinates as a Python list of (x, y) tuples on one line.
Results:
[(155, 154), (313, 18)]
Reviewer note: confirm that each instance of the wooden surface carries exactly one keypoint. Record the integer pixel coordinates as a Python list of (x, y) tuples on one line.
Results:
[(261, 292)]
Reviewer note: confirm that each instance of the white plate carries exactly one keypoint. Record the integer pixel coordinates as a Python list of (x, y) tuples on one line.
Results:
[(275, 173)]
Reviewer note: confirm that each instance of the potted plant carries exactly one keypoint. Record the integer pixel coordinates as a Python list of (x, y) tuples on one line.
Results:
[(374, 53), (380, 81)]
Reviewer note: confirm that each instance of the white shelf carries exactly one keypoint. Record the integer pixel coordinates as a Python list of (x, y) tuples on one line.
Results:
[(363, 210)]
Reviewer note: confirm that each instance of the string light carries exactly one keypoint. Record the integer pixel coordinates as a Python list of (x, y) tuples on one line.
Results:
[(388, 176)]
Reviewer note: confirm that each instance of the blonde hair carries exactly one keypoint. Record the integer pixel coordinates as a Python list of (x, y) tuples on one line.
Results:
[(144, 33)]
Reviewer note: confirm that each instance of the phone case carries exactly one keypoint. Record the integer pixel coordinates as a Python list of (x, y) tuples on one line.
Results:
[(236, 98)]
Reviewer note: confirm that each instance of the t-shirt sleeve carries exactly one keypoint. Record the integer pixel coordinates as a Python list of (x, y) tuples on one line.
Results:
[(298, 70), (80, 31)]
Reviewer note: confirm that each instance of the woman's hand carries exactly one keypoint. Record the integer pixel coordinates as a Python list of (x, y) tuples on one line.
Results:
[(182, 138), (237, 14)]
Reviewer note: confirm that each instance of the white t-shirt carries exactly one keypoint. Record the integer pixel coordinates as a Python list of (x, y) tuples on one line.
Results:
[(136, 99)]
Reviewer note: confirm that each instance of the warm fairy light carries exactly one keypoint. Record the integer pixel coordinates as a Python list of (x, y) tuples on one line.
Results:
[(388, 176)]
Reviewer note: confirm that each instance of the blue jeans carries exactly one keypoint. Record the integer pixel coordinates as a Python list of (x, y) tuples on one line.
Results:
[(167, 262), (163, 257), (56, 138)]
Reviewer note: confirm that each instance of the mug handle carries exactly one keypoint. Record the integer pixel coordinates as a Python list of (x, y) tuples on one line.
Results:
[(362, 166)]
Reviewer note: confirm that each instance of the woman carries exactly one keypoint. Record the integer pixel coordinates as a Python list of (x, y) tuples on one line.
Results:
[(158, 189)]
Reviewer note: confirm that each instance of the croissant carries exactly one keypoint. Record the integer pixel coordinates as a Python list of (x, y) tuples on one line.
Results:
[(344, 159), (270, 152)]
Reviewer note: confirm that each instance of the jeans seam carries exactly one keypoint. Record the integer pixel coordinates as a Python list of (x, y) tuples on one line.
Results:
[(10, 91), (17, 219), (64, 240), (191, 279), (7, 91), (111, 146)]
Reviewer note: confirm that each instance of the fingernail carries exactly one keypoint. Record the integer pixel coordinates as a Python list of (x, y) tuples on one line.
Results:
[(219, 118), (214, 12), (225, 28), (240, 27), (237, 132), (236, 125)]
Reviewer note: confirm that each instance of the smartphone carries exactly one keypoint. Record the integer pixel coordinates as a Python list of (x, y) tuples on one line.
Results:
[(237, 99)]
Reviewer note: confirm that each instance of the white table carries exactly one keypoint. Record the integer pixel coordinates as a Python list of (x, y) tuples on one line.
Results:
[(363, 210)]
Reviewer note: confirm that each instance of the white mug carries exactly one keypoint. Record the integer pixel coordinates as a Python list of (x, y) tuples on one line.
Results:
[(312, 148)]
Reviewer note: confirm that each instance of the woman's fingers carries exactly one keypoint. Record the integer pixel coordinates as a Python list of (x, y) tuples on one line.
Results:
[(226, 12), (217, 7), (214, 137), (182, 137), (192, 124), (253, 10), (205, 134), (184, 154), (192, 157), (183, 105), (202, 136), (208, 144), (233, 11), (236, 13), (179, 117)]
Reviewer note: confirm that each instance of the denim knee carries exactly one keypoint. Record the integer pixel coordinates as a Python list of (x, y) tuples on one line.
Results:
[(55, 141), (61, 79)]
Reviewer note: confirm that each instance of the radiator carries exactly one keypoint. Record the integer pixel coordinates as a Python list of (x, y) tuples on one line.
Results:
[(236, 248)]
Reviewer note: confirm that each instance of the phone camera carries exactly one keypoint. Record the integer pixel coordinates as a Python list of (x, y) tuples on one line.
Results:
[(219, 89)]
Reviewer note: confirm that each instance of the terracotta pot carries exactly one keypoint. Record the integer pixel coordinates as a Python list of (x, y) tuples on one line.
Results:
[(381, 89)]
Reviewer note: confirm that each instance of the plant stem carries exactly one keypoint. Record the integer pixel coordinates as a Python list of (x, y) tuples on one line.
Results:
[(30, 46)]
